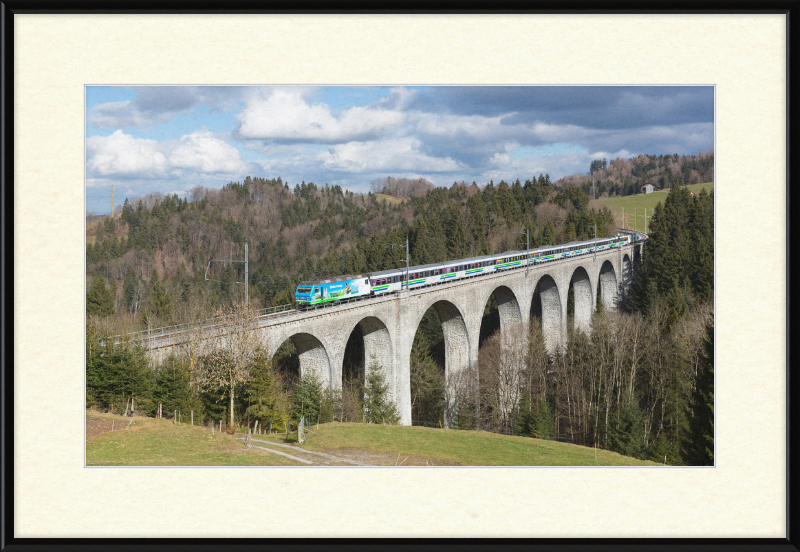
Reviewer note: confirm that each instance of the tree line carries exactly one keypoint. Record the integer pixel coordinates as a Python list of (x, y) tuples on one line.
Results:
[(640, 383), (225, 376), (317, 230)]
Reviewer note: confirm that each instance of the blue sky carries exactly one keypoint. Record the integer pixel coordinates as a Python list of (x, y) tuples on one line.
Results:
[(169, 139)]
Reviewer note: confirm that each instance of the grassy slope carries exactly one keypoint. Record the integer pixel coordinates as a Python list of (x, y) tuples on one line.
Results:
[(151, 442), (640, 202), (451, 447), (390, 199)]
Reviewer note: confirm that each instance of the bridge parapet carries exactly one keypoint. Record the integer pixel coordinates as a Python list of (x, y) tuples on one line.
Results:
[(389, 323)]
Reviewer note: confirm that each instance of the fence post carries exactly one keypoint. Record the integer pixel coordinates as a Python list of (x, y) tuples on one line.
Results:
[(192, 417)]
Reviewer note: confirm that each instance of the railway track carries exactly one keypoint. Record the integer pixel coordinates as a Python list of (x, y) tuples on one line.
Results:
[(171, 333)]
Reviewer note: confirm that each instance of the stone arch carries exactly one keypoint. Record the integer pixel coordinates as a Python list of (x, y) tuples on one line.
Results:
[(627, 274), (456, 352), (583, 293), (551, 312), (608, 286), (314, 358), (377, 346), (508, 307)]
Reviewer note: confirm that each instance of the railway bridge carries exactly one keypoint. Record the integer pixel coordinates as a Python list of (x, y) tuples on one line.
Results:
[(389, 323)]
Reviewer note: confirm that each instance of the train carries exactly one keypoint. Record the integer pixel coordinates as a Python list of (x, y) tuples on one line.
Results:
[(333, 289)]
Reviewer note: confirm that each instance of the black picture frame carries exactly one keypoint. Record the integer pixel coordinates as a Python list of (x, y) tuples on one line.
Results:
[(11, 543)]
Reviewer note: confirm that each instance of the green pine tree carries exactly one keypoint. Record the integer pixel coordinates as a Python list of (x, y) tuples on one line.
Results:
[(159, 301), (308, 398), (268, 399), (173, 388), (379, 408), (699, 444), (99, 299), (626, 433)]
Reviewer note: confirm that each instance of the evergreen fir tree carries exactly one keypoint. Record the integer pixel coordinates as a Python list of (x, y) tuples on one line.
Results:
[(699, 445), (626, 433), (174, 390), (159, 300), (268, 400), (99, 299), (378, 405), (308, 398)]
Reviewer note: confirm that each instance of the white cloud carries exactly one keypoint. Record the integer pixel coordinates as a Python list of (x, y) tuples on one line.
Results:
[(285, 115), (400, 154), (474, 126), (125, 156), (202, 152)]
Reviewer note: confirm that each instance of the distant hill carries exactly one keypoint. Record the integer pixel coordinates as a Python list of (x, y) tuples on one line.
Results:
[(310, 230), (640, 202), (624, 177)]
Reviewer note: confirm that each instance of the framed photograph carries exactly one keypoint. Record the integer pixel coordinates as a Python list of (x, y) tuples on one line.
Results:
[(497, 291)]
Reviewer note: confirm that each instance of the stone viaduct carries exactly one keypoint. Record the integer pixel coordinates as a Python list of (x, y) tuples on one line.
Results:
[(389, 323)]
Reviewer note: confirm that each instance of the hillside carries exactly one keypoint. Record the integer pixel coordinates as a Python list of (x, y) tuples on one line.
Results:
[(150, 268), (634, 205), (151, 442), (639, 397), (624, 177), (151, 262)]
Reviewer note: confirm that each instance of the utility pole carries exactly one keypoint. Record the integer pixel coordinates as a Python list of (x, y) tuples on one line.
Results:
[(224, 262), (527, 234), (408, 290), (112, 200), (407, 260)]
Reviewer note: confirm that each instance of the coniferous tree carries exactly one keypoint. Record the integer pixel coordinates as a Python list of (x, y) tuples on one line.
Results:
[(427, 387), (379, 408), (159, 302), (173, 388), (699, 445), (99, 299), (308, 398), (626, 433), (267, 397), (456, 234)]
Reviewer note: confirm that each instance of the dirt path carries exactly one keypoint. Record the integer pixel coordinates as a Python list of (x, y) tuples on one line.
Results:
[(314, 453)]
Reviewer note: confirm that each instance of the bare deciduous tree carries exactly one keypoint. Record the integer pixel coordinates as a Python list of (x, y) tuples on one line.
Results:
[(232, 343)]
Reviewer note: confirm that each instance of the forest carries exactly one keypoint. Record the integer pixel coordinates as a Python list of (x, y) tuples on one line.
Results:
[(640, 383)]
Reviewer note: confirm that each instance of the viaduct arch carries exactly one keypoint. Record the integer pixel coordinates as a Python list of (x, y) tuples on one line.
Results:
[(389, 323)]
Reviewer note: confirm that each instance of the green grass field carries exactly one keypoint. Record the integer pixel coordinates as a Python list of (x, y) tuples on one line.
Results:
[(151, 442), (390, 199), (636, 204), (456, 447)]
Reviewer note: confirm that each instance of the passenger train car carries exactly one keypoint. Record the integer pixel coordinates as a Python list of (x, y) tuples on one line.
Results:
[(314, 292)]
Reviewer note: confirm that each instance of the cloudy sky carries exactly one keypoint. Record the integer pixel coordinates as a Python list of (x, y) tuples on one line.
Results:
[(171, 138)]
